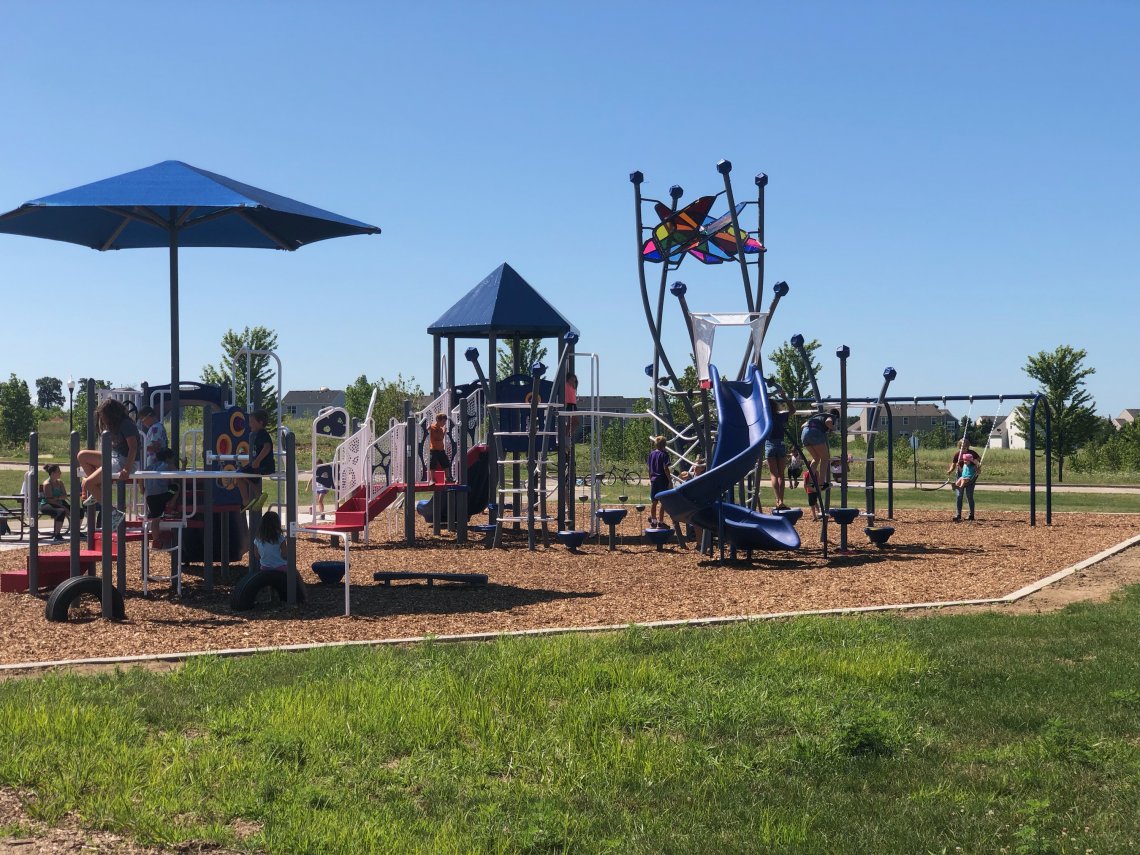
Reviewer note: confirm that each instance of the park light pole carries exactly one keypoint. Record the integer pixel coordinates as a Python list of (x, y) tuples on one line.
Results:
[(70, 403)]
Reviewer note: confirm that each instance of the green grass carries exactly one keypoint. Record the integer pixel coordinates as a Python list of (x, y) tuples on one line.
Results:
[(983, 733)]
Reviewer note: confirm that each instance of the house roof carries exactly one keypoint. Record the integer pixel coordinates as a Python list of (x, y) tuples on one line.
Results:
[(326, 397), (931, 411), (503, 305)]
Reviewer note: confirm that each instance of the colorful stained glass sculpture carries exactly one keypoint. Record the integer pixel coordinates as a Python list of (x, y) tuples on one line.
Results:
[(711, 242)]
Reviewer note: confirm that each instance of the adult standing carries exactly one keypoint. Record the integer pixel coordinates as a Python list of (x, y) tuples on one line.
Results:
[(813, 437), (966, 465), (776, 452)]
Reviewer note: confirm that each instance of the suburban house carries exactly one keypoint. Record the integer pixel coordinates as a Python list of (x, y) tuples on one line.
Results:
[(1126, 417), (909, 419), (305, 403), (1004, 433)]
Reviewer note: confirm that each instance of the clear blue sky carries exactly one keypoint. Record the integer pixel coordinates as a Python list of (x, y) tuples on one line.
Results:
[(954, 186)]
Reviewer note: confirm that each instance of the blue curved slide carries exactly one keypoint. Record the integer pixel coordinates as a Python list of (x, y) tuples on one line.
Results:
[(744, 419)]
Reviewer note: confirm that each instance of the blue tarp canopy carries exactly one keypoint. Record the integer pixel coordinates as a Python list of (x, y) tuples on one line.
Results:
[(142, 208), (503, 305)]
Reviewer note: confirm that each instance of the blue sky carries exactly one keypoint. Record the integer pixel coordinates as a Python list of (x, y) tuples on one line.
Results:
[(953, 186)]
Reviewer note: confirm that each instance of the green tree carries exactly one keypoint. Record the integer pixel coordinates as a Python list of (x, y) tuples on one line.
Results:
[(17, 415), (80, 403), (389, 399), (260, 367), (789, 369), (49, 393), (1062, 374), (792, 375), (531, 350)]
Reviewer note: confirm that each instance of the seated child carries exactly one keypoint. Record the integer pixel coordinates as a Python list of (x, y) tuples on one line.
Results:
[(969, 470), (261, 462), (272, 548)]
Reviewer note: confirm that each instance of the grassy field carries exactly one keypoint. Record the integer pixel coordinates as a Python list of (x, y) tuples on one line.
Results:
[(983, 733)]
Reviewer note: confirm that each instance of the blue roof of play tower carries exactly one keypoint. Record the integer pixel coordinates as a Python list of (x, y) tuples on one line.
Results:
[(503, 305)]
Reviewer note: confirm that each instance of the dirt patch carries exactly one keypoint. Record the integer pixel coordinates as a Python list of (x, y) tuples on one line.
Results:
[(930, 559), (37, 838)]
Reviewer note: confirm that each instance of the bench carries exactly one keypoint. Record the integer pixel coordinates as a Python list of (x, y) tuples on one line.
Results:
[(12, 511), (54, 567)]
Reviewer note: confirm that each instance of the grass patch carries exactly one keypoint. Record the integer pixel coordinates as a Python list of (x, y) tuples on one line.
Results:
[(985, 732)]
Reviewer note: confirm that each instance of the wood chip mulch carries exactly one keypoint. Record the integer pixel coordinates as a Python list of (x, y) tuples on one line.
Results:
[(929, 559)]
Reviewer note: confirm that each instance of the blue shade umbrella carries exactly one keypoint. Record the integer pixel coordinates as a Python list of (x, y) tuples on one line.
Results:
[(173, 204)]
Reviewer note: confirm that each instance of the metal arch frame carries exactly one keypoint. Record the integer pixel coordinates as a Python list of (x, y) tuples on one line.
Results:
[(1035, 398)]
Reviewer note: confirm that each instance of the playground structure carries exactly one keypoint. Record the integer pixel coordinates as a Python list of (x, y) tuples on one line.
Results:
[(207, 521), (724, 500), (502, 431)]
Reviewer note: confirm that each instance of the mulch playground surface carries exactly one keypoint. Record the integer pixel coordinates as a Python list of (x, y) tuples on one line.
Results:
[(929, 559)]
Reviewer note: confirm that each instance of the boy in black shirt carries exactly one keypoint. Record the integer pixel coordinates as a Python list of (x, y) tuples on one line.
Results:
[(261, 461)]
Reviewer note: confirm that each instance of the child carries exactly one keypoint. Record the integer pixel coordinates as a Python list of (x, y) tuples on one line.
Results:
[(320, 485), (53, 499), (111, 416), (969, 470), (159, 492), (154, 436), (812, 497), (659, 480), (438, 461), (795, 469), (261, 461), (272, 548)]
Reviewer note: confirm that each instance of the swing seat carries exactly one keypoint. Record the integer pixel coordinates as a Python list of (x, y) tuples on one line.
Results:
[(572, 539), (792, 515), (843, 516), (879, 535)]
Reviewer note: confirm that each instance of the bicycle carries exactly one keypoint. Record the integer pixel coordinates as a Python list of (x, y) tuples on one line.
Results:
[(614, 475)]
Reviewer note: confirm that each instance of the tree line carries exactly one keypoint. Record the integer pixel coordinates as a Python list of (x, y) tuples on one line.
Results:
[(1079, 436)]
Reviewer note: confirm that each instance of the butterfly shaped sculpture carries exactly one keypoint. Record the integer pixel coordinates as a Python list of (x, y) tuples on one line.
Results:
[(691, 230)]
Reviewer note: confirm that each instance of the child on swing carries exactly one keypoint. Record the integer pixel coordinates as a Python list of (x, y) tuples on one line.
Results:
[(969, 470)]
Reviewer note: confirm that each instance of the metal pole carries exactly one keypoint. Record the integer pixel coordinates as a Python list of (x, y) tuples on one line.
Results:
[(90, 445), (175, 398), (459, 519), (209, 523), (842, 352), (1033, 460), (889, 374), (890, 462), (33, 512), (1048, 467), (120, 537), (105, 512), (536, 372), (77, 508), (409, 474), (291, 513)]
